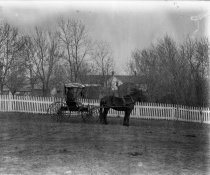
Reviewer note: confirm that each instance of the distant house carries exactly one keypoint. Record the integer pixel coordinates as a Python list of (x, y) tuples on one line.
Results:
[(113, 84), (25, 90), (116, 84), (92, 91)]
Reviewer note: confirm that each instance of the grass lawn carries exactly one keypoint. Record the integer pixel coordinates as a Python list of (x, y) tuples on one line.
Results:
[(35, 144)]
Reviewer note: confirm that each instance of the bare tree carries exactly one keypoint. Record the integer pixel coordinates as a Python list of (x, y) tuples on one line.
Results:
[(47, 53), (16, 78), (59, 77), (145, 64), (195, 53), (11, 47), (29, 56), (103, 58), (179, 71), (74, 40)]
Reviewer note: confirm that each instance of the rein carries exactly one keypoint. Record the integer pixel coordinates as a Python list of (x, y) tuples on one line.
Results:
[(127, 101), (124, 101)]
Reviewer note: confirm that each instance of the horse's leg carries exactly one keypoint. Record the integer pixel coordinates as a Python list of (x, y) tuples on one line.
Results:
[(59, 112), (126, 117), (106, 110), (101, 113)]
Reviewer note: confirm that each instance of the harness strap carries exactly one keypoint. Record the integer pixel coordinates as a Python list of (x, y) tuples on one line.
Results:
[(132, 99), (124, 101)]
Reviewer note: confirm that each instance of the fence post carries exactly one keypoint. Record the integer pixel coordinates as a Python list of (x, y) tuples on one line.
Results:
[(176, 112), (10, 102), (173, 112), (201, 116)]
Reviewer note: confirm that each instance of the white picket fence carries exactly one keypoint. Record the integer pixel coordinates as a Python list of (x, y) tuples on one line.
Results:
[(29, 104)]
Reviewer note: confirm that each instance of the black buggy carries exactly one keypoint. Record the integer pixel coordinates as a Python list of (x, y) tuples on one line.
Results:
[(72, 106)]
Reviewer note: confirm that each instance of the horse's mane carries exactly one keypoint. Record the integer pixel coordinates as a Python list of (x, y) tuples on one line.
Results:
[(133, 91)]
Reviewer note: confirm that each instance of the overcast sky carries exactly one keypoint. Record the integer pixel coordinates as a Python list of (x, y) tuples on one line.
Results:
[(125, 25)]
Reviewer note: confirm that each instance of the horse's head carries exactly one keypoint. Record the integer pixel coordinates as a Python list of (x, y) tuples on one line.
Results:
[(140, 95)]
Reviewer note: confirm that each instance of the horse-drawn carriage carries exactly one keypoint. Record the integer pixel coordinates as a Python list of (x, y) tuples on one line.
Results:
[(72, 105)]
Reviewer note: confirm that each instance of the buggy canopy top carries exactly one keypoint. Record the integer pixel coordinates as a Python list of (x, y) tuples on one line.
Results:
[(74, 85), (92, 85), (78, 85)]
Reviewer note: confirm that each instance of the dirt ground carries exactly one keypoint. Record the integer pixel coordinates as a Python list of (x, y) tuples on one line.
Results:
[(34, 144)]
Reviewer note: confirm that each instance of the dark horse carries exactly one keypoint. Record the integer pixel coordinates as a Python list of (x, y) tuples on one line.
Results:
[(125, 103)]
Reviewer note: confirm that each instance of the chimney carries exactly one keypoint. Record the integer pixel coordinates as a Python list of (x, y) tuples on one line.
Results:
[(135, 73), (112, 73)]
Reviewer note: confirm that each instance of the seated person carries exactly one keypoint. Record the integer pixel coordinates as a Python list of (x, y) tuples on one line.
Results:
[(71, 101)]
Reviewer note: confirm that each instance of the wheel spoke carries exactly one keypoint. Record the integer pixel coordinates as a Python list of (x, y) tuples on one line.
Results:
[(56, 110)]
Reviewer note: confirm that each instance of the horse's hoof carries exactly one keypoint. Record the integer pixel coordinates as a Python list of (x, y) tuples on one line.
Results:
[(104, 123), (125, 124)]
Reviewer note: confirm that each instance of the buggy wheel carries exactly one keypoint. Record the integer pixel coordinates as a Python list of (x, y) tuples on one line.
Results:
[(57, 110), (94, 111), (83, 112), (90, 113)]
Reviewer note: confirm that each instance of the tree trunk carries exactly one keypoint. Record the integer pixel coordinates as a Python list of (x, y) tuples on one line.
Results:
[(43, 89), (31, 81), (1, 88)]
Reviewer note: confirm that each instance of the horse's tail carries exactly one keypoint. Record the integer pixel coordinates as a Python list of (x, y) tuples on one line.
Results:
[(101, 107), (101, 110)]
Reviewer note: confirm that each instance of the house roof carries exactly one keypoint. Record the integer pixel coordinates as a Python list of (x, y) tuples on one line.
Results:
[(98, 79), (129, 78), (94, 79), (78, 85)]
